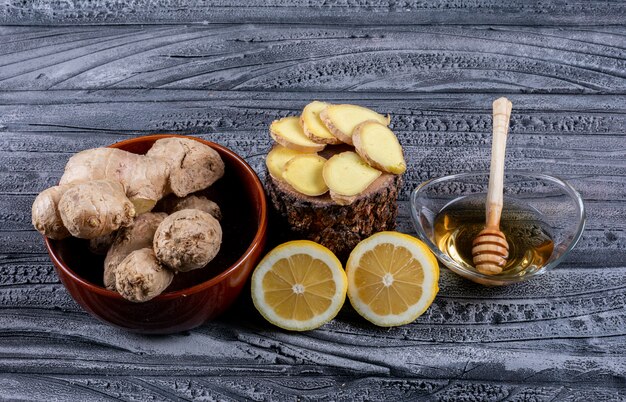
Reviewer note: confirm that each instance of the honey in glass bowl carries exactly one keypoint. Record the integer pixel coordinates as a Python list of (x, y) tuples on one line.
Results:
[(543, 218), (529, 237)]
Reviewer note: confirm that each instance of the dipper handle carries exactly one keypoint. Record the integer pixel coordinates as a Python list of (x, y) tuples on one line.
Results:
[(501, 116)]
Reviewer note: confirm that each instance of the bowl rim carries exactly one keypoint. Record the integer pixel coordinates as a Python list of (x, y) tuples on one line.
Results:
[(256, 242), (452, 265)]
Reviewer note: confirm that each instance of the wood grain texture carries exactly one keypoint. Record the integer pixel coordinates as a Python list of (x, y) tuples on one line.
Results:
[(561, 337), (425, 59), (309, 388), (327, 12)]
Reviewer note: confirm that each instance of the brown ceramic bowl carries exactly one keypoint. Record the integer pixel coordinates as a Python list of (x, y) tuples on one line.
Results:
[(193, 297)]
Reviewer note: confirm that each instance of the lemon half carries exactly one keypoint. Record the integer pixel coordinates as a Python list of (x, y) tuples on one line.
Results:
[(392, 278), (299, 285)]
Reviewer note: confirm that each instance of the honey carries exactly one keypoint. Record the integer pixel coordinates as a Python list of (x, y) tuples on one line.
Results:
[(529, 237)]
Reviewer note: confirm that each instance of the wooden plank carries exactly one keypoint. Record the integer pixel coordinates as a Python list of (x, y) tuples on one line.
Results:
[(576, 137), (375, 12), (432, 59), (446, 119), (225, 388), (71, 343), (513, 308), (27, 270), (304, 388)]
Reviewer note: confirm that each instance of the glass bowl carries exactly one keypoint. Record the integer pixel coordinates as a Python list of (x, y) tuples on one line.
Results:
[(537, 203)]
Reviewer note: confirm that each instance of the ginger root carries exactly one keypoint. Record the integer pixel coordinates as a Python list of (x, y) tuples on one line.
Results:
[(313, 126), (103, 189), (288, 133), (178, 165), (93, 209), (171, 204), (379, 146), (348, 175), (187, 240), (45, 213), (138, 235), (304, 174), (141, 277), (342, 119), (277, 158), (194, 166), (144, 179)]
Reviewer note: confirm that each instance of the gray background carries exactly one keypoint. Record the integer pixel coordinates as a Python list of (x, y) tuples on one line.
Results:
[(80, 74)]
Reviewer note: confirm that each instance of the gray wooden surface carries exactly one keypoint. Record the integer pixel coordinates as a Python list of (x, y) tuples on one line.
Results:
[(79, 74)]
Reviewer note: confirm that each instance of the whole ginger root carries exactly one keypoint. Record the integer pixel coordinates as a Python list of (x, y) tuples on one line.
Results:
[(144, 179), (179, 165), (141, 277), (45, 213), (136, 236), (187, 240), (103, 189), (97, 208), (194, 166)]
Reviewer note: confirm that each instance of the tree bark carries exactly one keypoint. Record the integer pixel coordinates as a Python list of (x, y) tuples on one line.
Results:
[(338, 227)]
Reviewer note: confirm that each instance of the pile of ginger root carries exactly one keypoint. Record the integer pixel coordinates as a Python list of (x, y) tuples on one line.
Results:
[(139, 210)]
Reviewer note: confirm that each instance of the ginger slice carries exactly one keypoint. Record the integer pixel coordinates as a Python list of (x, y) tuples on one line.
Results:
[(347, 175), (313, 126), (277, 158), (342, 119), (288, 133), (379, 146), (304, 174)]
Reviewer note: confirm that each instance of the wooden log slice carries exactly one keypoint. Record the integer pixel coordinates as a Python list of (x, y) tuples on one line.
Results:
[(338, 227)]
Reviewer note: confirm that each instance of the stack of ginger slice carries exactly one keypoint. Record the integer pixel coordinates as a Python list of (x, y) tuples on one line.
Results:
[(347, 172), (334, 174)]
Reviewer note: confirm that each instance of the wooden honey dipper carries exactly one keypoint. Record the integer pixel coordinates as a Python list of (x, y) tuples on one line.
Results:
[(490, 249)]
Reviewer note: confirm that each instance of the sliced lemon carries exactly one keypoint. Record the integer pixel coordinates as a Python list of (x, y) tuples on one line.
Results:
[(392, 278), (299, 285)]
